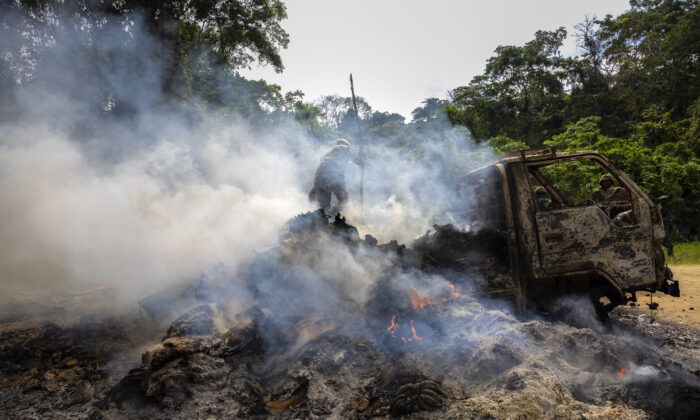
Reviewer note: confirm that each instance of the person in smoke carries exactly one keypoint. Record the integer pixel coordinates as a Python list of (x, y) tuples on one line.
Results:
[(607, 193), (330, 176)]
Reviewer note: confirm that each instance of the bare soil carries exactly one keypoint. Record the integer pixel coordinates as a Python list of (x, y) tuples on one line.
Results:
[(684, 309)]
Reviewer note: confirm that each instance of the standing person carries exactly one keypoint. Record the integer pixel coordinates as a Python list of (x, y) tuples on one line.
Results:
[(330, 176), (607, 193)]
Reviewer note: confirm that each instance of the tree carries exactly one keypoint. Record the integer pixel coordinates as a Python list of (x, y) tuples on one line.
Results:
[(432, 109), (335, 109), (385, 126), (653, 49), (589, 79), (191, 34), (520, 94)]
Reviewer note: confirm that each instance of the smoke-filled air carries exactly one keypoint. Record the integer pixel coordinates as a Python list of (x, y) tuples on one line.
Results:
[(157, 195), (179, 241)]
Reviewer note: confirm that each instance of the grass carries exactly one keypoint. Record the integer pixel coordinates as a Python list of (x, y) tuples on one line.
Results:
[(685, 253)]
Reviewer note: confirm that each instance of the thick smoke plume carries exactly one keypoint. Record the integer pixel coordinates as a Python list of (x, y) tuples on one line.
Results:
[(155, 194)]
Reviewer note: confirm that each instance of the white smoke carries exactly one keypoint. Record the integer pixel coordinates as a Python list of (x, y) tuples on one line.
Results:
[(147, 221), (156, 198)]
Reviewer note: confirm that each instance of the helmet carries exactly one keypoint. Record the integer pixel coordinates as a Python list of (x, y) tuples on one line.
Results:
[(604, 178), (342, 142), (540, 191)]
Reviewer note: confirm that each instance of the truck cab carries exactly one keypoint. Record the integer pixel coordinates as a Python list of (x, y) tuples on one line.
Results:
[(566, 233)]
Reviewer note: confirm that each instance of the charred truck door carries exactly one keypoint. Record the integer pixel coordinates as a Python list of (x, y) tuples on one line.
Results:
[(591, 228)]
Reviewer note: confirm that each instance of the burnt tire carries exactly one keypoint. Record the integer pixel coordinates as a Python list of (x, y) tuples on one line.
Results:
[(425, 395)]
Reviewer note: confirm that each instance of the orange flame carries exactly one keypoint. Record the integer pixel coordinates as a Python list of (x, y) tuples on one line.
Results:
[(454, 292), (419, 300), (621, 373), (393, 327), (415, 336)]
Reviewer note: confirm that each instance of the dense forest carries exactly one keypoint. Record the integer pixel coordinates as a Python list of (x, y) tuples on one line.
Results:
[(632, 93)]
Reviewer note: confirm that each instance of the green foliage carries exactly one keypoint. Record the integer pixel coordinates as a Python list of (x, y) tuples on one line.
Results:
[(503, 144), (653, 49), (659, 128), (673, 170), (338, 113), (240, 31), (684, 253), (432, 109), (643, 61), (197, 39), (575, 181), (520, 94)]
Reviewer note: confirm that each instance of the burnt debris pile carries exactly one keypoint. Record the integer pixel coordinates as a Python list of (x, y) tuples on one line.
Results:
[(481, 256), (340, 326), (58, 371)]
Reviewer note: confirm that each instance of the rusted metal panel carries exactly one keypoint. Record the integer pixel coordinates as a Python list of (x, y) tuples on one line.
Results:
[(585, 238), (524, 213)]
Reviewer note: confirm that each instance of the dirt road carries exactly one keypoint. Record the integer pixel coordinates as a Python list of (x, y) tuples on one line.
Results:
[(684, 309)]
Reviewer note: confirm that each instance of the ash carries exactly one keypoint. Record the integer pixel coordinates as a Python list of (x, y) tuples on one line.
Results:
[(340, 327)]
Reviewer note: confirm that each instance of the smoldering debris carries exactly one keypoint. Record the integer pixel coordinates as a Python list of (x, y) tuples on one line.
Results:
[(480, 255), (411, 341), (58, 369)]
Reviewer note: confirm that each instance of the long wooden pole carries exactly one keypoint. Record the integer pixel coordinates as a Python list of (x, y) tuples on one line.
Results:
[(362, 144)]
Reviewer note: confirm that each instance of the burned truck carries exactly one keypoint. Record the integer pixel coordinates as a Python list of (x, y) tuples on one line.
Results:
[(559, 240)]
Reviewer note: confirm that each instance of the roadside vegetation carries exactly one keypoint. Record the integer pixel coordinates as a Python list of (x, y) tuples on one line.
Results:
[(687, 253)]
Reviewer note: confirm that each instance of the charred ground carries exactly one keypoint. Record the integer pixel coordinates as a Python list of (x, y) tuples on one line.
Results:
[(423, 339)]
